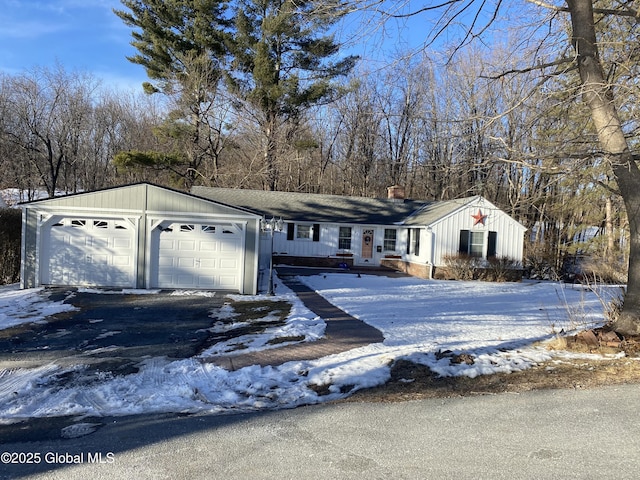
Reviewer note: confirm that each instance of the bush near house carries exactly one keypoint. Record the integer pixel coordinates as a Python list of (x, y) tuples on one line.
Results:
[(495, 269), (10, 232)]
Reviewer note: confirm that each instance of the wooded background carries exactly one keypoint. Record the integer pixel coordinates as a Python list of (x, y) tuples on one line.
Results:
[(443, 126)]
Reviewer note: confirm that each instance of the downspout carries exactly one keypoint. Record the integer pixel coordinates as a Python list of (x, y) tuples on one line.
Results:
[(430, 260)]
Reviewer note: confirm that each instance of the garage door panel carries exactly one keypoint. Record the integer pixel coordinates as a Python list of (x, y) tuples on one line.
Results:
[(207, 281), (208, 263), (186, 262), (208, 246), (98, 259), (227, 281), (99, 243), (122, 243), (122, 261), (187, 245), (164, 261), (228, 263), (229, 247), (167, 244)]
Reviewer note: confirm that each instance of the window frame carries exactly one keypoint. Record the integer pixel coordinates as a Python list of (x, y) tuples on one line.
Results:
[(476, 243), (415, 241), (344, 242), (309, 235), (388, 241)]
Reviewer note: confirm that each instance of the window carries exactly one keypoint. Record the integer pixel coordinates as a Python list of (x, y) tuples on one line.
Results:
[(304, 231), (187, 228), (208, 229), (100, 224), (476, 244), (390, 239), (344, 238), (415, 241), (472, 243)]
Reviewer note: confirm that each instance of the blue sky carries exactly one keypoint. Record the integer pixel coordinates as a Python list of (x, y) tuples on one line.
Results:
[(86, 35), (81, 35)]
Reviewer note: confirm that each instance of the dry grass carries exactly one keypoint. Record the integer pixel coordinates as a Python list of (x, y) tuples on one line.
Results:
[(410, 381)]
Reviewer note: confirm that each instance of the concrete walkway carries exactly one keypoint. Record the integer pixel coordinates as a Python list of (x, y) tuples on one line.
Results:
[(343, 333)]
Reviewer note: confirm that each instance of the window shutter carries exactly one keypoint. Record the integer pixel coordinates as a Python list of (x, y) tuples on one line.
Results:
[(290, 230), (408, 241), (464, 242), (491, 247), (316, 232)]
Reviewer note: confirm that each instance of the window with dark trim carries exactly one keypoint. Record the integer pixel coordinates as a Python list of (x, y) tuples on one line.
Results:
[(303, 231), (473, 243)]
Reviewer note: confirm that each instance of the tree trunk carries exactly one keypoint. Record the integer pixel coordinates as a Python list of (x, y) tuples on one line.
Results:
[(269, 156), (599, 97), (608, 229)]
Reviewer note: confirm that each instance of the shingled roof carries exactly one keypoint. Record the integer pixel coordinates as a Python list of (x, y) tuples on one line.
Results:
[(317, 208)]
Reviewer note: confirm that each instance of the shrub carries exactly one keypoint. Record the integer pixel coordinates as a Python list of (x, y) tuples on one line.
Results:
[(10, 236), (500, 269), (462, 267), (496, 269)]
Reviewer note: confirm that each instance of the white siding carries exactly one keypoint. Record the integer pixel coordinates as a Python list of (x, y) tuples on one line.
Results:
[(436, 241), (447, 231), (327, 246)]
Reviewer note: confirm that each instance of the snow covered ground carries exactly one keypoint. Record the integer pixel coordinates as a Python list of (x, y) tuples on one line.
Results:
[(497, 323)]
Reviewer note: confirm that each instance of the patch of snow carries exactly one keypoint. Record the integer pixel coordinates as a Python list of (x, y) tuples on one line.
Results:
[(125, 291), (27, 306), (424, 321)]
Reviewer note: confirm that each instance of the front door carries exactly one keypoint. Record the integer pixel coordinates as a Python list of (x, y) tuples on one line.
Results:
[(367, 244)]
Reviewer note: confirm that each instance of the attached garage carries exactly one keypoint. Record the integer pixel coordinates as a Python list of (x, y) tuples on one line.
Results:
[(139, 236)]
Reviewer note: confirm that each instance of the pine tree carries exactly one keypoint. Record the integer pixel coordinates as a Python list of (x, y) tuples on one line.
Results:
[(166, 32), (182, 44), (283, 63)]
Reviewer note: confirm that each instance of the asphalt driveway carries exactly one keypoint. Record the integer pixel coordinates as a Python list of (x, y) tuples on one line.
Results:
[(114, 332)]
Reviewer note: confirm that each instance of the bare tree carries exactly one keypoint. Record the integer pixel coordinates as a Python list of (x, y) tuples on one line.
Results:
[(49, 111), (583, 52)]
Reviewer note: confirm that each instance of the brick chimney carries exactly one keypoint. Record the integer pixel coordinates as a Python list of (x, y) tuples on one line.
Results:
[(395, 192)]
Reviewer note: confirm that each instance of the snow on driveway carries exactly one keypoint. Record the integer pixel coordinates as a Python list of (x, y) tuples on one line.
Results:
[(496, 323)]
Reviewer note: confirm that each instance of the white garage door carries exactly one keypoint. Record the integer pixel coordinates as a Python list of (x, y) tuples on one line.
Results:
[(191, 255), (92, 252)]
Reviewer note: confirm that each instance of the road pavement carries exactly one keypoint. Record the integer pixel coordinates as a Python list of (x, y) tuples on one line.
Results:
[(555, 434)]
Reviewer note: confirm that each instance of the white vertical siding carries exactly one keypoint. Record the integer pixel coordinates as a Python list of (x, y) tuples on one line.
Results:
[(447, 231), (326, 246)]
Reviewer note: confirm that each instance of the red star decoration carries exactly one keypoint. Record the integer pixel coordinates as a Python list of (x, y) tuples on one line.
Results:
[(479, 218)]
